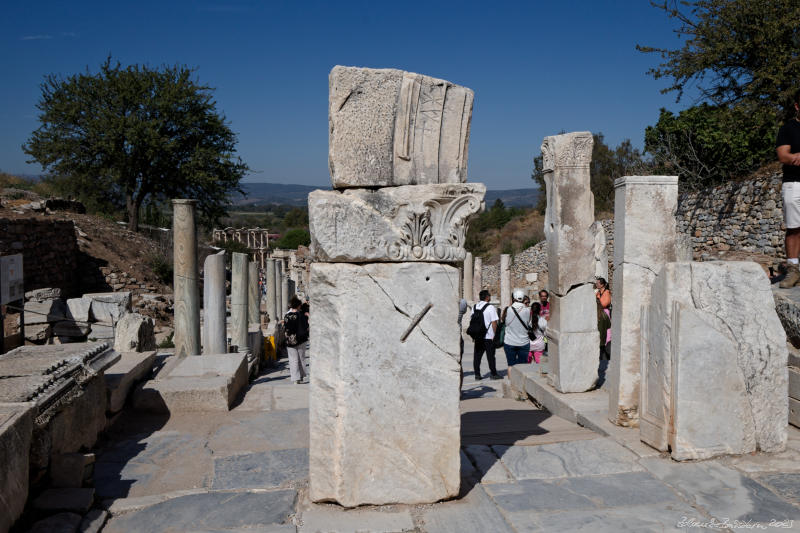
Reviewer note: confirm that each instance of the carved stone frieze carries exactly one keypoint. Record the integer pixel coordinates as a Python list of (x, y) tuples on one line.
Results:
[(408, 223), (569, 150)]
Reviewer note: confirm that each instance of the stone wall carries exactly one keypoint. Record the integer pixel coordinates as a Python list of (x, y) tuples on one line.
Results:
[(745, 216), (49, 251)]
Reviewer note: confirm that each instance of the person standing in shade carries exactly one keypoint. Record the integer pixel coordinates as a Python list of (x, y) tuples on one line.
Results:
[(788, 148), (517, 318), (544, 303), (295, 324), (484, 343)]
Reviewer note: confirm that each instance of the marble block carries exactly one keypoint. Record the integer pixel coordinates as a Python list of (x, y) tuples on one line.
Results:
[(388, 127), (714, 364), (408, 223), (16, 429), (384, 412), (569, 217)]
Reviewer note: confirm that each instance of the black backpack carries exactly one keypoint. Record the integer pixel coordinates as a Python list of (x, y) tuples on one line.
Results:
[(296, 327), (477, 327)]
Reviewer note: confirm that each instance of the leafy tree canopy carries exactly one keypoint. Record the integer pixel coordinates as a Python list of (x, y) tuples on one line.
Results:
[(735, 51), (129, 133), (294, 238)]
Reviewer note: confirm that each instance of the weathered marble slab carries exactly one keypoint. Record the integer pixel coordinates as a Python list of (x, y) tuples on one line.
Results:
[(16, 429), (645, 238), (384, 412), (569, 218), (409, 223), (714, 374), (389, 127)]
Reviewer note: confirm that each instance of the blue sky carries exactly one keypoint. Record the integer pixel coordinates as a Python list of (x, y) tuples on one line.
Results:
[(537, 68)]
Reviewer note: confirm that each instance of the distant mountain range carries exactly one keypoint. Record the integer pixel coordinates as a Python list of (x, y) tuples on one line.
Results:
[(277, 193)]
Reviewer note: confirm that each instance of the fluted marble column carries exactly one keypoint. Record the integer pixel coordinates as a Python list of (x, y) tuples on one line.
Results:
[(279, 288), (505, 280), (272, 301), (253, 296), (187, 297), (239, 299), (214, 311)]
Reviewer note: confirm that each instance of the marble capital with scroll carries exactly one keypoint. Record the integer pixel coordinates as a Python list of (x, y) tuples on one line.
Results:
[(388, 127)]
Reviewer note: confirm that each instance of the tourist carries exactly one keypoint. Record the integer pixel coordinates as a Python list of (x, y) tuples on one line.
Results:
[(484, 342), (538, 343), (517, 319), (295, 324), (603, 295), (788, 148), (544, 303), (604, 338)]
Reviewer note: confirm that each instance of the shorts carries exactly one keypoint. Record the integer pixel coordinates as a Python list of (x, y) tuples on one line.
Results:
[(791, 204)]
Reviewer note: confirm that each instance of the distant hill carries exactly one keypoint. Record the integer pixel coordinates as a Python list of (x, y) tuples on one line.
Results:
[(276, 193)]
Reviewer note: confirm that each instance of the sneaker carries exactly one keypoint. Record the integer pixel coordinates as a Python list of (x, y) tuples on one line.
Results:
[(298, 381), (791, 278), (497, 376), (478, 377)]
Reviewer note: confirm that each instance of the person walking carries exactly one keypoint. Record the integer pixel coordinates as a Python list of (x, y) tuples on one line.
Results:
[(517, 319), (295, 324), (482, 328), (788, 149), (538, 326)]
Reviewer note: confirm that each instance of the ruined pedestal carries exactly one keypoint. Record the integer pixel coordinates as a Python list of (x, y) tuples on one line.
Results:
[(384, 412), (239, 298), (644, 240), (16, 429), (187, 297), (573, 340), (714, 374), (214, 311)]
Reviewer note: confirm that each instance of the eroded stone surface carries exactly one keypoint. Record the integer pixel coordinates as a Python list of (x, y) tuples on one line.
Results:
[(379, 435), (573, 340), (389, 127), (16, 427), (134, 333), (714, 371), (411, 223)]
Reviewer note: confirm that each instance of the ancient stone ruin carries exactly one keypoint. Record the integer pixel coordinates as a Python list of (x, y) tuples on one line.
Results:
[(384, 411), (570, 231)]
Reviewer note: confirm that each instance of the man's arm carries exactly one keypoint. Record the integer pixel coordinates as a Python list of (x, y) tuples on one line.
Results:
[(494, 326), (786, 156)]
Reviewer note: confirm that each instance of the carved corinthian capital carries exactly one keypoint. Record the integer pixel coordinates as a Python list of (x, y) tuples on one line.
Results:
[(408, 223), (569, 150)]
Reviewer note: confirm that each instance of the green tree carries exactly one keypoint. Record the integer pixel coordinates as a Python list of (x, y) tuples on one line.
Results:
[(132, 133), (294, 238), (296, 218), (735, 51), (607, 165), (707, 144)]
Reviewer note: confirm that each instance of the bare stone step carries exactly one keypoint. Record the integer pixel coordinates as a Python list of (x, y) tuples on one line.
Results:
[(196, 383), (41, 312), (59, 523), (69, 470), (475, 512), (65, 500), (794, 412), (261, 470), (335, 519), (209, 511), (120, 377), (794, 383), (93, 522)]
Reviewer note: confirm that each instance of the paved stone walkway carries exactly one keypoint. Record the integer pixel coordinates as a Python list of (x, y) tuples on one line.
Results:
[(523, 469)]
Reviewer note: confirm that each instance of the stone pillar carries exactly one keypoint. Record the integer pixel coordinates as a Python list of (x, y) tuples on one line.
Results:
[(215, 333), (714, 378), (253, 295), (573, 340), (468, 277), (239, 293), (281, 305), (644, 240), (477, 278), (285, 291), (505, 280), (272, 300), (384, 248), (187, 295), (600, 252)]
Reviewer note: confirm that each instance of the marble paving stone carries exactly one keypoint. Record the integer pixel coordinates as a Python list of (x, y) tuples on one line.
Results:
[(262, 470), (786, 485), (568, 459), (723, 492), (209, 511), (535, 496), (335, 519), (474, 512), (666, 517), (290, 397), (619, 490), (489, 466), (260, 432)]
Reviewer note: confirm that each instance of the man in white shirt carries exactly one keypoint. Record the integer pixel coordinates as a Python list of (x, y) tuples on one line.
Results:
[(490, 319)]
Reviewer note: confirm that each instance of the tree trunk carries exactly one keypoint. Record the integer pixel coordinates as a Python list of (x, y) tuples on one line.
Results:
[(133, 212)]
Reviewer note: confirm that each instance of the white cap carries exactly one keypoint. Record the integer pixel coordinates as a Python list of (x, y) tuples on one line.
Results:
[(518, 295)]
